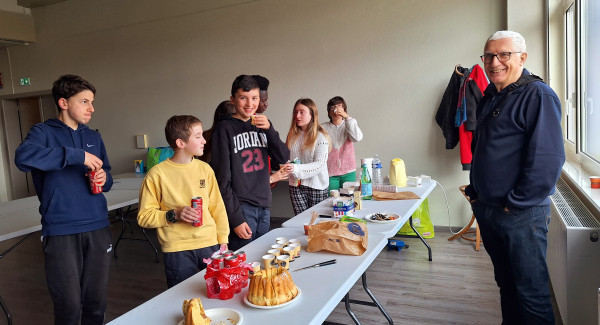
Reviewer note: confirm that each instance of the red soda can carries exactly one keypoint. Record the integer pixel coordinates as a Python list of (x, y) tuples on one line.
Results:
[(241, 255), (93, 186), (227, 253), (232, 261), (218, 261), (197, 205)]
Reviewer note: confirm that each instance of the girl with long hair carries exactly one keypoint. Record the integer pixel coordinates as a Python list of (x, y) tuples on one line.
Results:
[(309, 146)]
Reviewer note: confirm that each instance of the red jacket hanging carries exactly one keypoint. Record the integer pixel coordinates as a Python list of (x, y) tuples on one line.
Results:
[(469, 96), (457, 112)]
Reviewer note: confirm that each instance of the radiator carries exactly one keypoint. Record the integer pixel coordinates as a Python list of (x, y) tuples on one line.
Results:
[(573, 257)]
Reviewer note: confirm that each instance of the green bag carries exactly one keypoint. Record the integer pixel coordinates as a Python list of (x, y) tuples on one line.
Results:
[(157, 155), (421, 221)]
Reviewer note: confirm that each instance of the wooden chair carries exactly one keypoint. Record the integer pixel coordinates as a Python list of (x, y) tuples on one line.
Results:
[(467, 229)]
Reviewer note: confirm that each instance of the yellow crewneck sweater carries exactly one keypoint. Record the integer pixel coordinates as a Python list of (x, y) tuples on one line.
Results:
[(169, 185)]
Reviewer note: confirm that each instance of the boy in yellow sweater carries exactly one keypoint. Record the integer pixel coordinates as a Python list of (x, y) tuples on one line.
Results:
[(165, 203)]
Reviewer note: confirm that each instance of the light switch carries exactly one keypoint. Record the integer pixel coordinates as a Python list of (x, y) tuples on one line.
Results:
[(141, 141)]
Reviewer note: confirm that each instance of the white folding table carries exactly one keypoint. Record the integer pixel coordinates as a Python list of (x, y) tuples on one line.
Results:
[(322, 288), (127, 181), (22, 217), (403, 208)]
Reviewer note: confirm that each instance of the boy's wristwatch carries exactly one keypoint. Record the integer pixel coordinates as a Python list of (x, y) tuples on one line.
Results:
[(171, 216)]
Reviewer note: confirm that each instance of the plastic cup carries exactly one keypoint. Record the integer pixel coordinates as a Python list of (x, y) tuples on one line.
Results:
[(306, 228), (595, 181)]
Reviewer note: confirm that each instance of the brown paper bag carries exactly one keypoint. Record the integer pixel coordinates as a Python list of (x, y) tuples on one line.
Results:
[(349, 238), (406, 195)]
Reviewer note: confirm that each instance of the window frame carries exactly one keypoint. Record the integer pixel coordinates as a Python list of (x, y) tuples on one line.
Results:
[(574, 151)]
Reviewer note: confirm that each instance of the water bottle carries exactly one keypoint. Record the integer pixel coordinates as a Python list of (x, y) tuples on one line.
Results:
[(365, 184), (377, 178)]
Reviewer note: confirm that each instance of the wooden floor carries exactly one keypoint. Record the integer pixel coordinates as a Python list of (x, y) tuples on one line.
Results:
[(456, 288)]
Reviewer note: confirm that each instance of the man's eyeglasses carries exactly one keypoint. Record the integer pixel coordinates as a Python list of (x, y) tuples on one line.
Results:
[(502, 57)]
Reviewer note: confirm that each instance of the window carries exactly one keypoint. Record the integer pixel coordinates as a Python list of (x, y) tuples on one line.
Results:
[(570, 86), (581, 109), (590, 79)]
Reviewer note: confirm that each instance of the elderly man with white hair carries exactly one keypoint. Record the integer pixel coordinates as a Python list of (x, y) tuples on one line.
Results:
[(518, 154)]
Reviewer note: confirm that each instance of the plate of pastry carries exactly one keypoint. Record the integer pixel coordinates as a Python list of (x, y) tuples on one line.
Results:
[(382, 217), (194, 314), (274, 306), (222, 316)]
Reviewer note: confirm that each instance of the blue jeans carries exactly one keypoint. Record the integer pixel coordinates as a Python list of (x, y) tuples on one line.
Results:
[(183, 264), (516, 242), (259, 221)]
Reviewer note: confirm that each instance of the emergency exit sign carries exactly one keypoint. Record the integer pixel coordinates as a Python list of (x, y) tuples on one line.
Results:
[(25, 81)]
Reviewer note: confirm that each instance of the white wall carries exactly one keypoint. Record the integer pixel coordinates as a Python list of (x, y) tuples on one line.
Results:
[(150, 59), (535, 34), (11, 6)]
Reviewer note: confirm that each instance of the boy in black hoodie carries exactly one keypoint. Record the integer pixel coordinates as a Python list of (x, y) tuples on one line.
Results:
[(76, 237), (241, 145)]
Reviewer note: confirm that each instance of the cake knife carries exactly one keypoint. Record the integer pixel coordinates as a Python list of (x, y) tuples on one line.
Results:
[(317, 265)]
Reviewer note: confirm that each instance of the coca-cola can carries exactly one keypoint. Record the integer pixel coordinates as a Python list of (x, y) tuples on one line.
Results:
[(232, 261), (227, 253), (218, 261), (93, 186), (197, 205), (241, 255)]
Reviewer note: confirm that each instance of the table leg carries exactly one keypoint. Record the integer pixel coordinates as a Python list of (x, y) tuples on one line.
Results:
[(122, 215), (420, 237), (119, 213), (14, 246), (383, 311), (347, 302), (8, 317), (151, 244), (375, 303), (2, 304)]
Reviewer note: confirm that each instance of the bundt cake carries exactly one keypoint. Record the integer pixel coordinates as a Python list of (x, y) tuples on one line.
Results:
[(271, 287)]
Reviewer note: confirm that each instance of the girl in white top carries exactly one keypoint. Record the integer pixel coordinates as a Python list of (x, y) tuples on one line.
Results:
[(309, 143)]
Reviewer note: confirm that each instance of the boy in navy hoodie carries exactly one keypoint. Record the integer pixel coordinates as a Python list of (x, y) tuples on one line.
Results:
[(76, 237)]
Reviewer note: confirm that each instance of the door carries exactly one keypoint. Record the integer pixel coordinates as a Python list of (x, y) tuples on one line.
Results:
[(19, 116)]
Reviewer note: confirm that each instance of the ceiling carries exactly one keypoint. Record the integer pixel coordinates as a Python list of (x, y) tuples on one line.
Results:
[(27, 4), (36, 3)]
